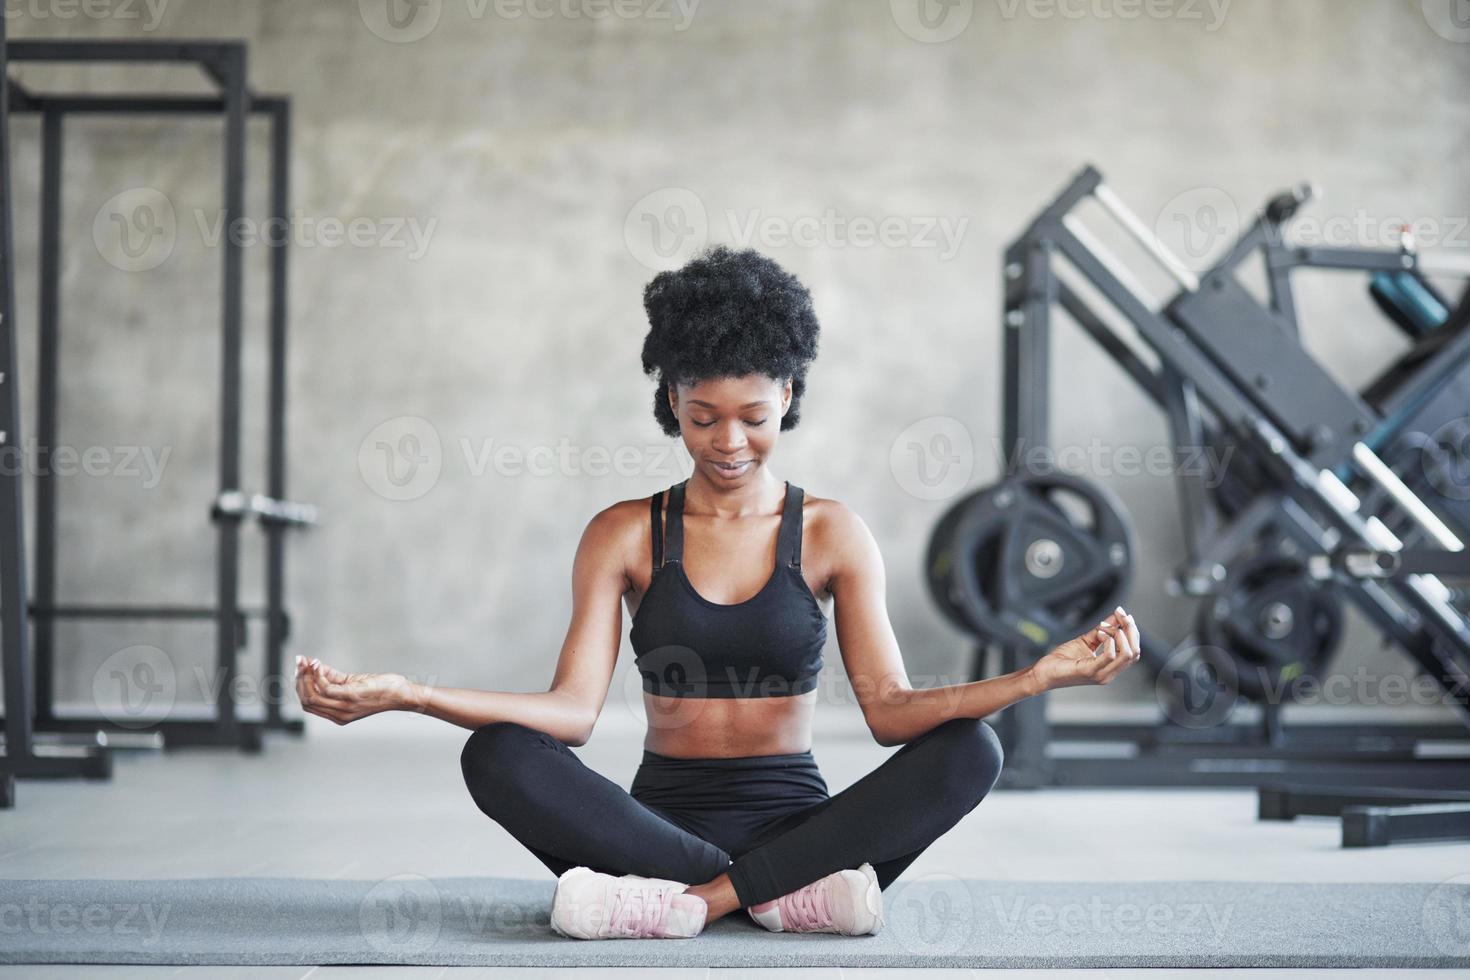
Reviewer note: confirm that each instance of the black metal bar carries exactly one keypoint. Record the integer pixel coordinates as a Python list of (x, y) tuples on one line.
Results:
[(1278, 281), (1325, 733), (231, 71), (1380, 826), (73, 611), (110, 50), (1109, 341), (275, 544), (85, 761), (244, 734), (47, 389), (13, 631), (186, 105), (1277, 802), (1030, 291), (1361, 259), (1187, 427), (1164, 771)]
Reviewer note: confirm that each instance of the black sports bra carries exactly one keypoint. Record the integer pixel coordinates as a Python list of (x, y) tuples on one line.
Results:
[(688, 647)]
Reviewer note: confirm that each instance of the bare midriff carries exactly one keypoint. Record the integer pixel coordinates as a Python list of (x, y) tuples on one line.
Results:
[(727, 728), (707, 728)]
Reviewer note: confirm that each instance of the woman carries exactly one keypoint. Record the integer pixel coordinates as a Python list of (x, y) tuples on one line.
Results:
[(728, 809)]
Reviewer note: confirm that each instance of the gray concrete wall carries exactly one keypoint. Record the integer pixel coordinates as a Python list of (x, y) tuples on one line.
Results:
[(506, 172)]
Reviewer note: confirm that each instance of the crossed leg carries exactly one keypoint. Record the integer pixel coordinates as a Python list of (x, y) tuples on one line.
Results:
[(567, 815), (887, 818)]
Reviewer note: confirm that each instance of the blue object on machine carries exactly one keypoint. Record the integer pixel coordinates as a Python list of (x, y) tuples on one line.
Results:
[(1407, 302), (1417, 311)]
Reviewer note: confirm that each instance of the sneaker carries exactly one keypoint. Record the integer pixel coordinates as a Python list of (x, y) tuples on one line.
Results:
[(590, 905), (847, 902)]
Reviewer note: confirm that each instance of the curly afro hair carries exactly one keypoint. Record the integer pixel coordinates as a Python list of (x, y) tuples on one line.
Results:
[(727, 314)]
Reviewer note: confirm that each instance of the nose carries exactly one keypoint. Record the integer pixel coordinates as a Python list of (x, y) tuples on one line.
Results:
[(729, 439)]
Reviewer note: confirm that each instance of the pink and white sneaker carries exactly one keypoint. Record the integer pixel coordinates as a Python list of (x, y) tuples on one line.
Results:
[(847, 902), (590, 905)]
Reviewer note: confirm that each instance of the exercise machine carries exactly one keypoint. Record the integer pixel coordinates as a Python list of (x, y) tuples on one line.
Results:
[(1333, 496)]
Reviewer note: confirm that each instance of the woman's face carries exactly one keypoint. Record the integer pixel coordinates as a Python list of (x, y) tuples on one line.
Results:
[(730, 420)]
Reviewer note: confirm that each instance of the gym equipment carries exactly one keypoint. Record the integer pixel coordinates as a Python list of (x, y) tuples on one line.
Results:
[(21, 756), (26, 710), (1032, 560), (1280, 625), (1332, 496)]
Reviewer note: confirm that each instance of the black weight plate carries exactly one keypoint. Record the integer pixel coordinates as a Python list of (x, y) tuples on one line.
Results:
[(940, 560), (1012, 564), (1275, 622)]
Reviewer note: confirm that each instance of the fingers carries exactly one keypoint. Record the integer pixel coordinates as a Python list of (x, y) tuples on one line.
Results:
[(1129, 629), (332, 674), (1123, 647), (326, 680), (317, 695)]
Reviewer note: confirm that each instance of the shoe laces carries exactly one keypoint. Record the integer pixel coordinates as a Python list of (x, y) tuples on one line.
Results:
[(807, 908), (639, 910)]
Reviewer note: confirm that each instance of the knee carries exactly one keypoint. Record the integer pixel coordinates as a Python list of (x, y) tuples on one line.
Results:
[(492, 755), (974, 757)]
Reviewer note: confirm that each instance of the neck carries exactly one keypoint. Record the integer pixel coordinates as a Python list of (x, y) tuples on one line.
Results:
[(749, 498)]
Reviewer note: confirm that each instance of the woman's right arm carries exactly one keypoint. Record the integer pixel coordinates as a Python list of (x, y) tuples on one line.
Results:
[(568, 711)]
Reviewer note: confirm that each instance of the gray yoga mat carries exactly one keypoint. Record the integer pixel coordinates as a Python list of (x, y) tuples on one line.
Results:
[(930, 921)]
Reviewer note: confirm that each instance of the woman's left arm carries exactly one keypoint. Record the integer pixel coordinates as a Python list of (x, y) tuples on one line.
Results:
[(895, 712)]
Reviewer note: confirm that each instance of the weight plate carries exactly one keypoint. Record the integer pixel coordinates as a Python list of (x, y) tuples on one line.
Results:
[(1275, 622), (1032, 560)]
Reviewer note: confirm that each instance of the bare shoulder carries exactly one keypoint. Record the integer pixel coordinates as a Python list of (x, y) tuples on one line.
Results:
[(835, 538), (622, 532)]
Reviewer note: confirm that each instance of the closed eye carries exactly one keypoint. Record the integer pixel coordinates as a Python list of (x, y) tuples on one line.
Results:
[(706, 425)]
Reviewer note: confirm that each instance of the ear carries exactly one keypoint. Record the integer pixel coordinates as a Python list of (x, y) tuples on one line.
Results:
[(786, 398), (673, 397)]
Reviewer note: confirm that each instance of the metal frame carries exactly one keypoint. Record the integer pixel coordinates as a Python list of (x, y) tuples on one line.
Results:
[(224, 62), (21, 757), (1308, 460)]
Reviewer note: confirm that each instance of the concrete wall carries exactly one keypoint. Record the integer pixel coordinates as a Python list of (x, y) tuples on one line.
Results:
[(503, 168)]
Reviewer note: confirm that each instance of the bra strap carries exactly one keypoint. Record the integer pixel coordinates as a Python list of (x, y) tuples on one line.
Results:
[(674, 534), (655, 505), (789, 545)]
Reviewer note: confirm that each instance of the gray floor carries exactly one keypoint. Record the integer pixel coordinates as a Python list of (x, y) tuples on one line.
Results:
[(383, 797)]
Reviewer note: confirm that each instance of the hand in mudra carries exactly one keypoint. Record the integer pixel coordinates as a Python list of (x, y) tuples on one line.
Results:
[(343, 697), (1074, 664)]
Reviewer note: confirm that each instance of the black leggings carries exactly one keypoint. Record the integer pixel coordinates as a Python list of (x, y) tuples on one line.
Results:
[(688, 819)]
